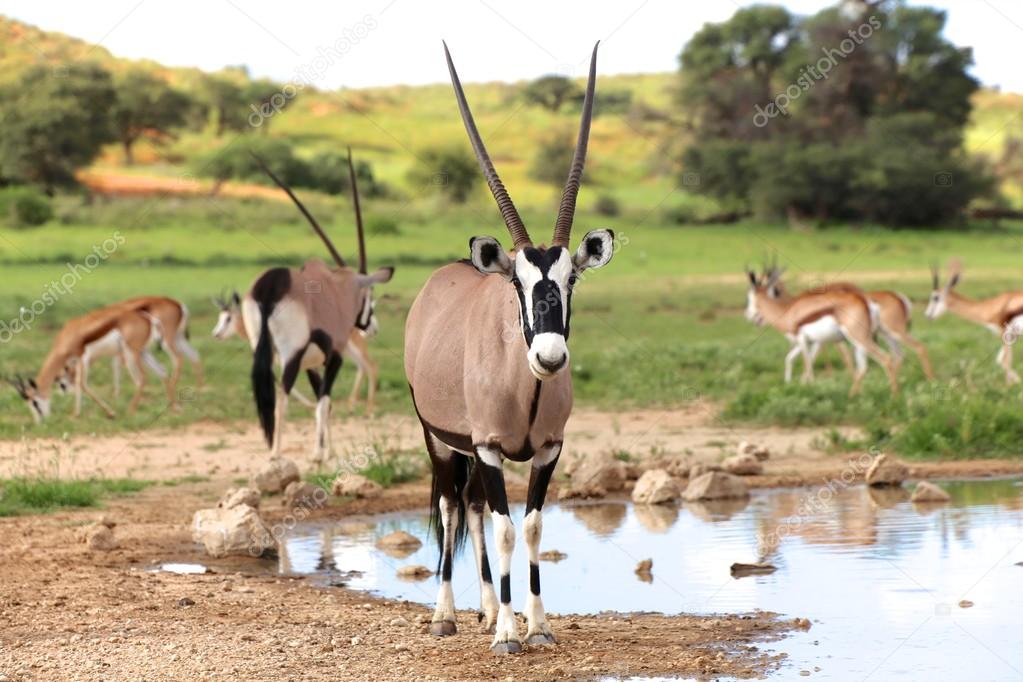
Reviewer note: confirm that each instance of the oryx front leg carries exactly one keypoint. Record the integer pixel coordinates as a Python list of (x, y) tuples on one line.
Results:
[(539, 631), (491, 463)]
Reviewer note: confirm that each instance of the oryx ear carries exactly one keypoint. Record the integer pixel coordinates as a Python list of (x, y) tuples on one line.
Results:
[(595, 250), (381, 276), (489, 257)]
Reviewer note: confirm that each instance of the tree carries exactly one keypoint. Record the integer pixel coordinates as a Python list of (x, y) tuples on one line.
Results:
[(225, 103), (451, 171), (553, 159), (146, 106), (54, 121), (550, 92)]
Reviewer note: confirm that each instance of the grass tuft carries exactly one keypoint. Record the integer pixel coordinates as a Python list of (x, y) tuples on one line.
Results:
[(20, 496)]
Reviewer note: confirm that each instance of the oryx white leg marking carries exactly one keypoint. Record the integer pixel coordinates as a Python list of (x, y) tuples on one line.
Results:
[(445, 611), (280, 409), (322, 448), (539, 631), (506, 633), (488, 597)]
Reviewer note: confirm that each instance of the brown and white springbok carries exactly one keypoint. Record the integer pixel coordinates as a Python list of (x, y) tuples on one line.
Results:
[(305, 315), (486, 358), (172, 318), (892, 312), (1001, 314), (107, 331), (814, 317)]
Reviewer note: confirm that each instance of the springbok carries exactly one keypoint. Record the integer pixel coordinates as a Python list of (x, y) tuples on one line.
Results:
[(815, 317), (172, 318), (486, 358), (107, 331), (1001, 314), (892, 311), (306, 316)]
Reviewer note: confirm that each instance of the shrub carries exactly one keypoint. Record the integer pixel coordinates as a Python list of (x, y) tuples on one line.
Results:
[(382, 227), (607, 205), (24, 207), (449, 170), (553, 159)]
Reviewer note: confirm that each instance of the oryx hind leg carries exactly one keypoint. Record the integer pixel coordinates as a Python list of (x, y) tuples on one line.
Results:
[(323, 445), (475, 501), (288, 376), (449, 480), (539, 630)]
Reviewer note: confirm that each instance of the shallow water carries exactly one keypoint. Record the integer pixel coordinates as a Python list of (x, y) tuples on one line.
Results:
[(880, 578)]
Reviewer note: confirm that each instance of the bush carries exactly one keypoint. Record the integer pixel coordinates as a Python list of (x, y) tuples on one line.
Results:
[(553, 160), (450, 171), (607, 205), (234, 161), (24, 207), (328, 172), (382, 227)]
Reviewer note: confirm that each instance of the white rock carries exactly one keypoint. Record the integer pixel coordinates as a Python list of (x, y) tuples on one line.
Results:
[(305, 495), (600, 471), (655, 486), (237, 531), (99, 537), (276, 476), (355, 485), (235, 496), (759, 451), (745, 464), (400, 539), (928, 492), (714, 485), (886, 471)]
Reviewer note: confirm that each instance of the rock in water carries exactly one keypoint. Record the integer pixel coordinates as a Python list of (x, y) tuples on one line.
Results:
[(601, 471), (276, 476), (740, 570), (553, 555), (235, 531), (655, 486), (235, 496), (759, 451), (355, 485), (305, 495), (886, 471), (743, 465), (415, 573), (643, 570), (928, 492), (99, 537), (399, 539), (714, 485)]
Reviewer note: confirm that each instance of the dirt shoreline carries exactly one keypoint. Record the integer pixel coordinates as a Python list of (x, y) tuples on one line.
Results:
[(72, 613)]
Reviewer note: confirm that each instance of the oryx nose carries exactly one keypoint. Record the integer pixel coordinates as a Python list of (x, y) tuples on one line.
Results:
[(552, 365)]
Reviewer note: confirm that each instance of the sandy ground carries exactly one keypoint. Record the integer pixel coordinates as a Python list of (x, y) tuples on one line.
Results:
[(70, 613)]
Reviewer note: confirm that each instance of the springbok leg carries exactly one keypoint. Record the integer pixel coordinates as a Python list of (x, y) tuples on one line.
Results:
[(544, 461), (475, 500), (491, 463)]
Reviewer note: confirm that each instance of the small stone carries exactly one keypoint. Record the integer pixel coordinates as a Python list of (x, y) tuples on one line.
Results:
[(355, 485), (580, 492), (600, 471), (399, 539), (553, 555), (236, 496), (237, 531), (655, 486), (965, 604), (414, 573), (276, 476), (99, 538), (305, 495), (802, 623), (356, 641), (186, 601), (698, 470), (928, 492), (759, 451), (399, 622), (739, 570), (886, 471), (743, 465), (643, 570), (714, 485)]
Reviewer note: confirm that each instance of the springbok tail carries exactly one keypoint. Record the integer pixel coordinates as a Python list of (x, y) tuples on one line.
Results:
[(154, 364), (263, 375), (183, 337)]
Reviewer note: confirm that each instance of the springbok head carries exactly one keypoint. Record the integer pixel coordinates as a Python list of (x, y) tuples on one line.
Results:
[(543, 276), (38, 404), (937, 304), (767, 285), (227, 320)]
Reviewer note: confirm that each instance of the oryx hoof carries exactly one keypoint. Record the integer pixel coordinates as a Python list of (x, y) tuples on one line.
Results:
[(443, 628), (541, 638), (512, 646)]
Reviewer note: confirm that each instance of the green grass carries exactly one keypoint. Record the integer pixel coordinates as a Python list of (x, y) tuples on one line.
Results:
[(20, 496)]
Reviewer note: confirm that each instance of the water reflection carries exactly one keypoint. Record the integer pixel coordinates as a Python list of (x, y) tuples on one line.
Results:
[(880, 577)]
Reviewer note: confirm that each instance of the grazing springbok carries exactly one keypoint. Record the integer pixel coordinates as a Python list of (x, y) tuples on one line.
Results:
[(108, 331), (892, 311), (1002, 314), (172, 318), (306, 316), (815, 317), (486, 358)]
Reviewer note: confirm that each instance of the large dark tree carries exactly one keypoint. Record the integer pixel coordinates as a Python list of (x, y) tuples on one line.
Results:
[(146, 106), (54, 121), (551, 92)]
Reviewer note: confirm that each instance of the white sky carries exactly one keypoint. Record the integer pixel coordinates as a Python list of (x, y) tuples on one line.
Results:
[(399, 42)]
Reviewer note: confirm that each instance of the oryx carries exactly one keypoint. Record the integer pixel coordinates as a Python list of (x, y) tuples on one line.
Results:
[(306, 316), (486, 358)]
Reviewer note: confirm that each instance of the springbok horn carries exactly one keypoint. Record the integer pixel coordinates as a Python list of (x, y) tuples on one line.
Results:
[(934, 276), (308, 216), (566, 213), (358, 214), (511, 216)]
